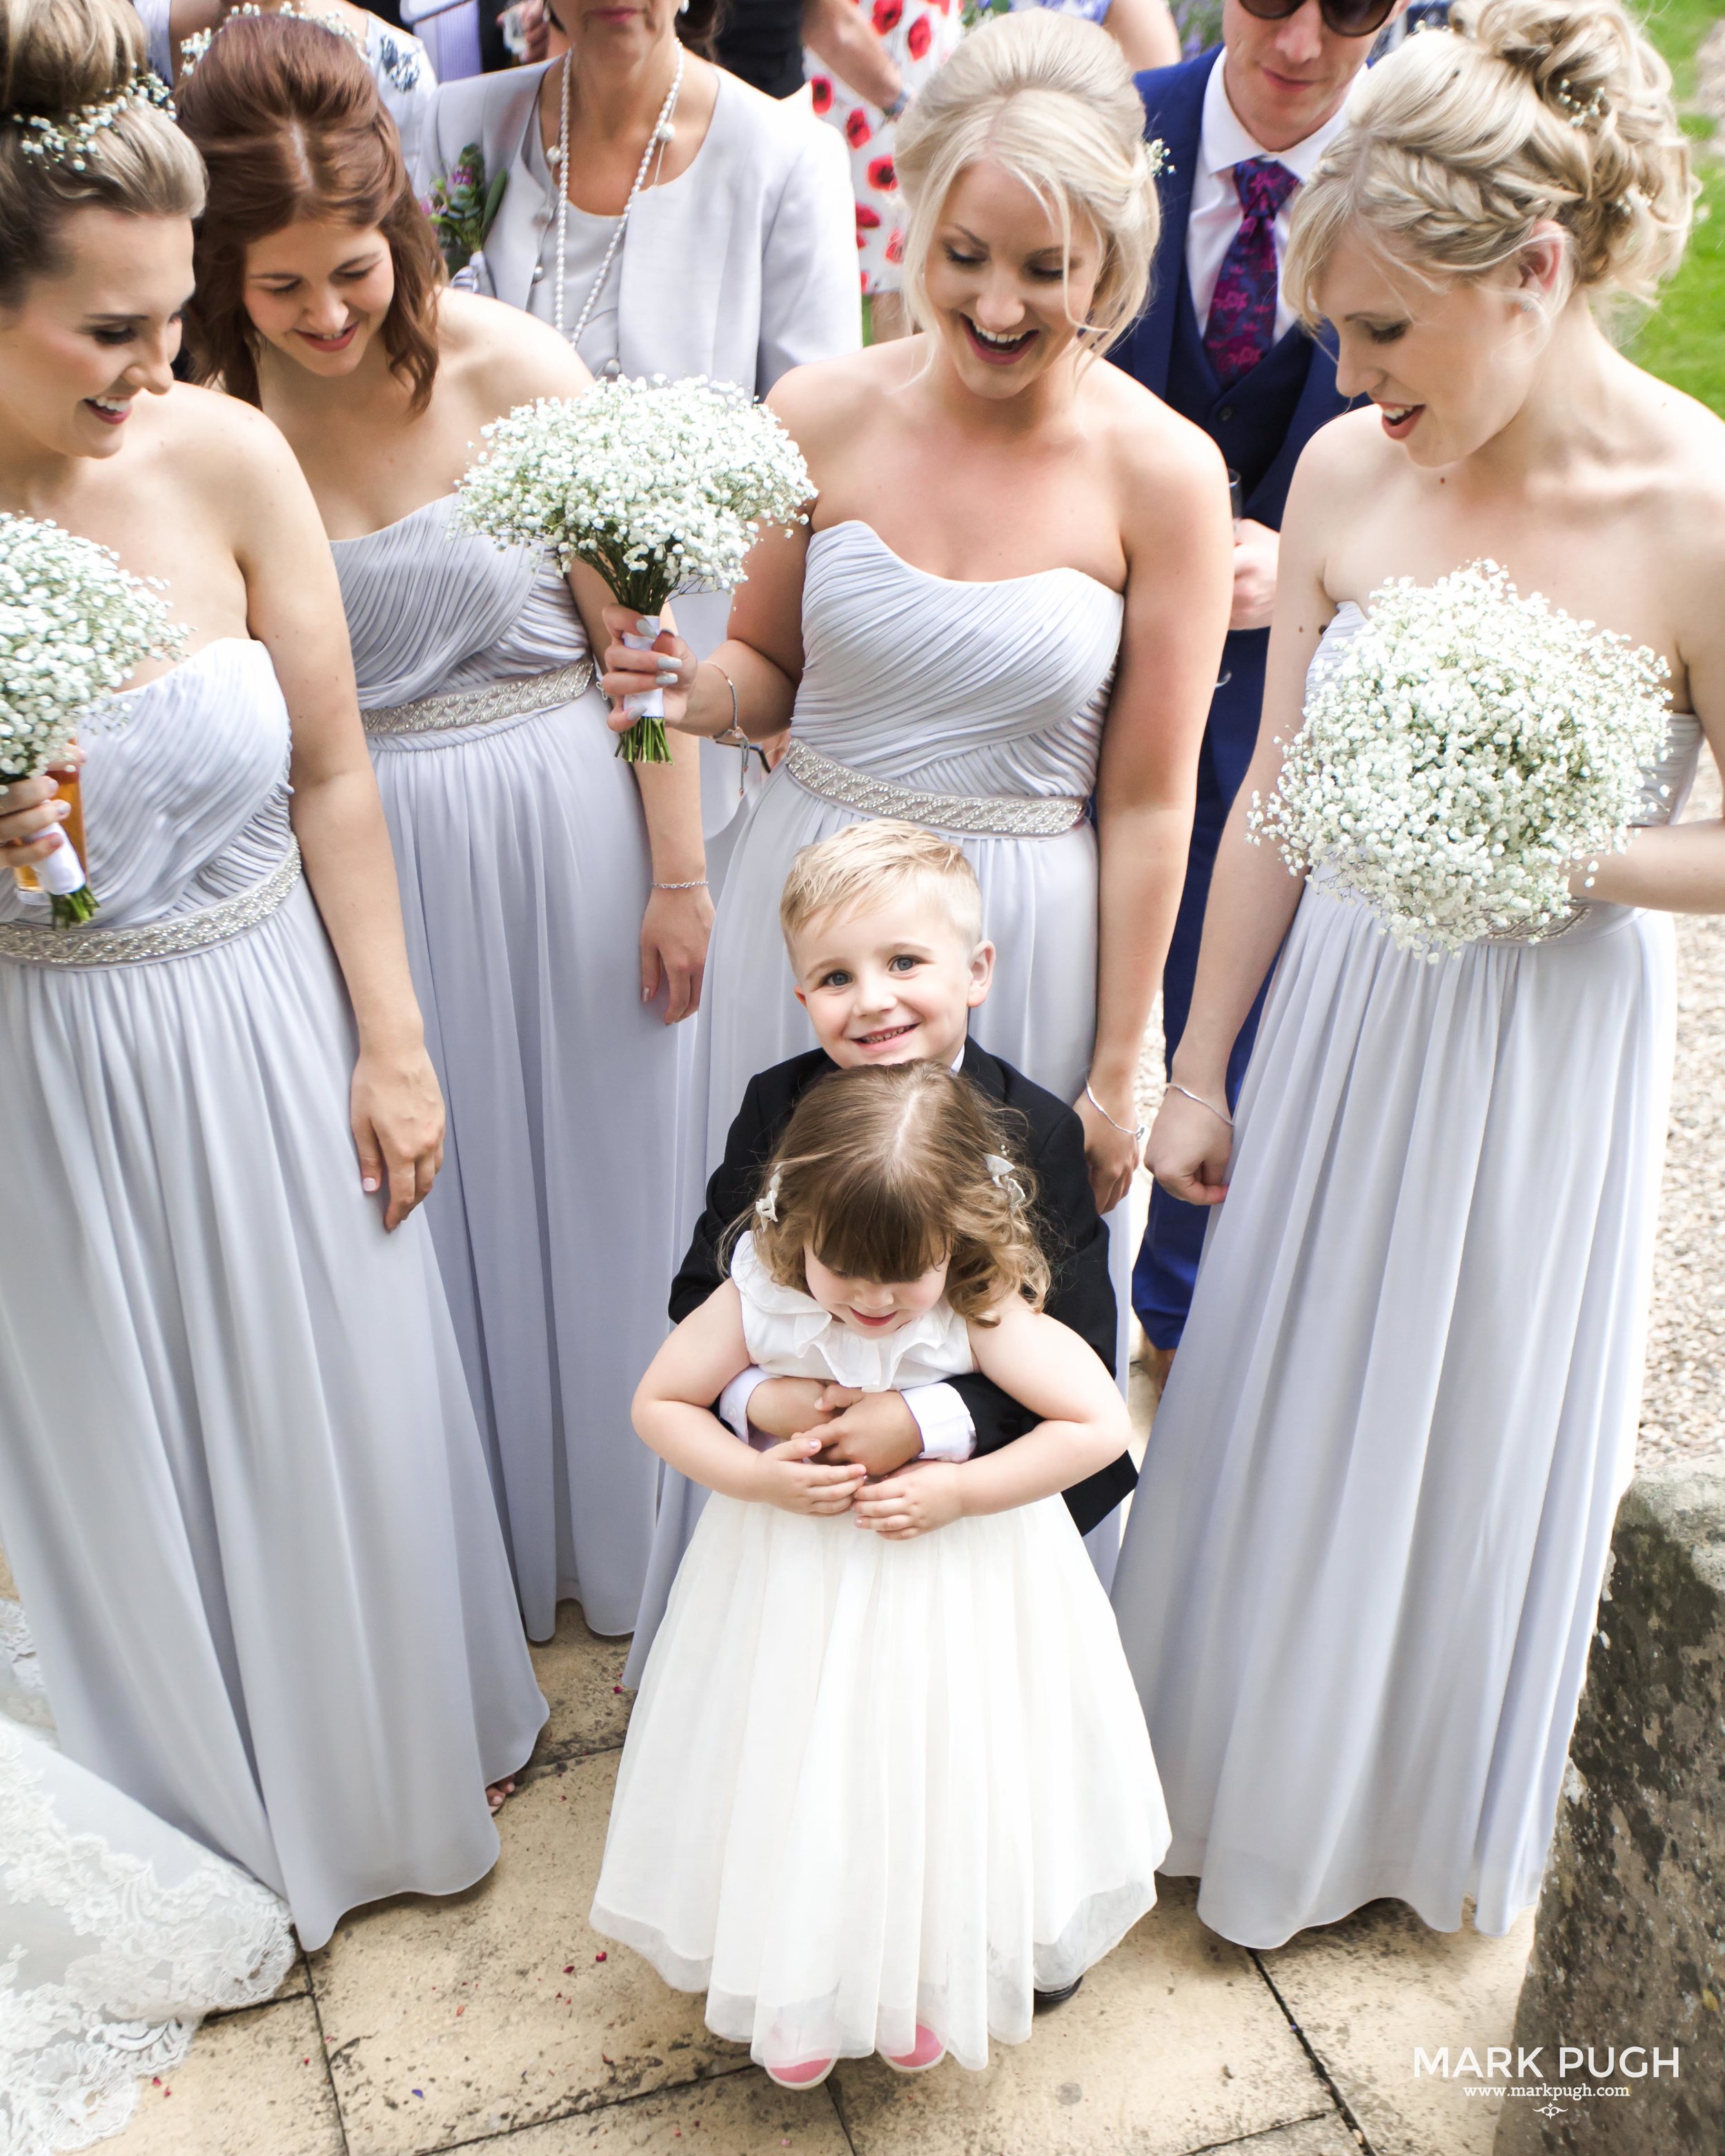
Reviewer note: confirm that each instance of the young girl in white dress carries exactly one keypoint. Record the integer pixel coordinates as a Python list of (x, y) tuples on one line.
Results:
[(887, 1777)]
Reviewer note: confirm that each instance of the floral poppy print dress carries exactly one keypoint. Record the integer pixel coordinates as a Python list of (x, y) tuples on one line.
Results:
[(919, 35)]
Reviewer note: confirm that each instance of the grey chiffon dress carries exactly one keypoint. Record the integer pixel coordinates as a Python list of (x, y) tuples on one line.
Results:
[(524, 869), (243, 1492), (1366, 1548)]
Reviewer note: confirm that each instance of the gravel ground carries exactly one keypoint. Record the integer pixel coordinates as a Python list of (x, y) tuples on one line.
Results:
[(1683, 1409)]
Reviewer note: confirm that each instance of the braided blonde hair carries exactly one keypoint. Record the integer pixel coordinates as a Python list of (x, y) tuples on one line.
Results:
[(1523, 111)]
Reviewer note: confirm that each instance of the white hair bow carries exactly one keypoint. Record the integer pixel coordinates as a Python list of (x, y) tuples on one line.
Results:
[(1000, 1170), (767, 1204)]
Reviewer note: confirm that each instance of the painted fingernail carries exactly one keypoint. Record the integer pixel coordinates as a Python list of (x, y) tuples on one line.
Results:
[(369, 1183), (59, 810), (644, 627)]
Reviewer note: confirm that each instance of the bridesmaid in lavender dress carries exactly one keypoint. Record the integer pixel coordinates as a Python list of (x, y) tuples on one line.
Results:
[(243, 1494), (1004, 619), (550, 890)]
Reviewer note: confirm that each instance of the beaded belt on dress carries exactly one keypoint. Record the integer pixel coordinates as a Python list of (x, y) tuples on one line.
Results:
[(477, 707), (32, 945), (1041, 816)]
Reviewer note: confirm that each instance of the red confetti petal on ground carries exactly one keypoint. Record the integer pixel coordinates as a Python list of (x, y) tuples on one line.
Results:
[(617, 1688), (598, 1956), (569, 1968)]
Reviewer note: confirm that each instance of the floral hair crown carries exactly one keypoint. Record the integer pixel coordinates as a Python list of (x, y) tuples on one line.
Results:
[(69, 138), (193, 49)]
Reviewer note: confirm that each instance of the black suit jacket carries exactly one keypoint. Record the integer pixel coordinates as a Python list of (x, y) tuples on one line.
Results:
[(1069, 1226)]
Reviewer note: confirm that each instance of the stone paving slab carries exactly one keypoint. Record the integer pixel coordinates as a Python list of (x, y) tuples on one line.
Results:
[(254, 2085), (1174, 2044), (498, 2007), (742, 2115), (1366, 1991), (580, 1674)]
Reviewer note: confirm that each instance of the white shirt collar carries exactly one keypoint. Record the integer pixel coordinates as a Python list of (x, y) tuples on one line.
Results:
[(1223, 142)]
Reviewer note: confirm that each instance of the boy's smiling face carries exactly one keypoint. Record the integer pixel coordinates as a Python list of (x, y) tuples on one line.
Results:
[(892, 982)]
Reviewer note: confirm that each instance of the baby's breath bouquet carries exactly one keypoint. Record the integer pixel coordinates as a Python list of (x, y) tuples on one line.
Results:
[(1464, 752), (73, 625), (660, 486)]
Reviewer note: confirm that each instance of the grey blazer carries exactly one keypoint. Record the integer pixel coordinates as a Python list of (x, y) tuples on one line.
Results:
[(742, 268)]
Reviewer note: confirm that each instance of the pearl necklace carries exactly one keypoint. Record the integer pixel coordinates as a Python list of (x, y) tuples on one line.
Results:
[(661, 134)]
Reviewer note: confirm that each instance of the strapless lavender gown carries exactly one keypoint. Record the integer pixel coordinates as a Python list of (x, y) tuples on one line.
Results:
[(992, 692), (524, 869), (1364, 1554), (240, 1483)]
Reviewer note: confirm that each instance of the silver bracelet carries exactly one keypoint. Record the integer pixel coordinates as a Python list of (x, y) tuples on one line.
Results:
[(1201, 1101), (1138, 1137), (696, 883), (733, 736)]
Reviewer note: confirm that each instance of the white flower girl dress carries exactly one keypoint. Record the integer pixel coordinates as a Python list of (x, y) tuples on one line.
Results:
[(869, 1783)]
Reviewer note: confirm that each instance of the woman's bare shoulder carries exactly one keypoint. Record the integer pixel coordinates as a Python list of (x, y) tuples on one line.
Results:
[(499, 356), (832, 393)]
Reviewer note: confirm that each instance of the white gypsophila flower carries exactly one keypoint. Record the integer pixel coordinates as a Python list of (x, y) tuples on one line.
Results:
[(74, 625), (1462, 753), (660, 486)]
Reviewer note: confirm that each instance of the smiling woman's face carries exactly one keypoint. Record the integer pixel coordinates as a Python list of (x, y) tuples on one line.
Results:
[(318, 293), (79, 345), (1447, 364), (1006, 291)]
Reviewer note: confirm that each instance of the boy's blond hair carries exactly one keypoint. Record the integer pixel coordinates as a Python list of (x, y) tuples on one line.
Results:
[(868, 862)]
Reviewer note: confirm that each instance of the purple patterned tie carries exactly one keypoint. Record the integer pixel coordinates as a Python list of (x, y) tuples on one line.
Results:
[(1242, 324)]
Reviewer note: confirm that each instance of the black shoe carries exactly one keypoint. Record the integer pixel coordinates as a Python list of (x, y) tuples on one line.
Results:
[(1046, 2001)]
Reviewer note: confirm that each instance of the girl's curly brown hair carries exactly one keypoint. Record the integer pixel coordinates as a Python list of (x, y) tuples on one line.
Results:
[(291, 125), (883, 1172)]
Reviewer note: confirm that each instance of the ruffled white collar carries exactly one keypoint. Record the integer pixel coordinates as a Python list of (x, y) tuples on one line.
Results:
[(785, 1319)]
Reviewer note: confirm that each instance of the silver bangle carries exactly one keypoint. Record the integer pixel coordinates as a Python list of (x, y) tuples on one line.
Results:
[(733, 736), (1201, 1101), (1138, 1137), (696, 883)]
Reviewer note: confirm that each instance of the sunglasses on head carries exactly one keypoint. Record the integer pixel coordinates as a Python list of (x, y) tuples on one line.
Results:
[(1347, 18)]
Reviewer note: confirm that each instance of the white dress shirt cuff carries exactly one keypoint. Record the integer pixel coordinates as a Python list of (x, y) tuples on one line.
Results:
[(940, 1413), (734, 1400)]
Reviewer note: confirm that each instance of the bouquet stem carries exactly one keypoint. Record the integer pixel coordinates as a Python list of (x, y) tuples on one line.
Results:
[(61, 874), (645, 741)]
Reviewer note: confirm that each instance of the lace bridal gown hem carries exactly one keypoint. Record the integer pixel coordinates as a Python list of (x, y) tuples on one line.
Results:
[(117, 1933)]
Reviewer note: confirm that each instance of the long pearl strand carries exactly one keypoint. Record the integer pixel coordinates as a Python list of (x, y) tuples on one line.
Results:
[(661, 134)]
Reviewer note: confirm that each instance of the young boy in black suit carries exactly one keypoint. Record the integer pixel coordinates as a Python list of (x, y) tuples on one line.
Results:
[(883, 924)]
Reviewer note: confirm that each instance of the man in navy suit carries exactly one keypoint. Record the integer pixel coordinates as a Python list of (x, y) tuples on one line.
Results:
[(1241, 126)]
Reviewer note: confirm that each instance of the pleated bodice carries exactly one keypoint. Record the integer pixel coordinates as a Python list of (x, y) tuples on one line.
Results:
[(982, 688), (430, 611), (184, 789)]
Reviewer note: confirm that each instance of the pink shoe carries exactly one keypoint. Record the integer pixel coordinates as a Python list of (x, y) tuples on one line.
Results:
[(929, 2051), (810, 2074)]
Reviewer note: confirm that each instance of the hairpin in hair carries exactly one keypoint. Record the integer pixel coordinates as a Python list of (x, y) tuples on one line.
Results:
[(1156, 155), (1578, 110), (767, 1204), (69, 138), (1000, 1172), (193, 49)]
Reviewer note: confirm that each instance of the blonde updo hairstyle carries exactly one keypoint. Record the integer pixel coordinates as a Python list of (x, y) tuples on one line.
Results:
[(57, 57), (1051, 100), (1463, 140)]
